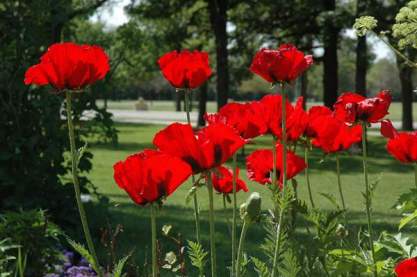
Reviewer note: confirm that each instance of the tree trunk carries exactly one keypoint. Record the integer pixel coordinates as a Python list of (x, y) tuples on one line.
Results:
[(405, 74), (303, 89), (218, 20), (361, 54), (361, 66), (202, 105), (330, 62), (178, 98)]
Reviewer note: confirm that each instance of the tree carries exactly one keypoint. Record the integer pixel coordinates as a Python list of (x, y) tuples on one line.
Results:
[(385, 13), (361, 53), (32, 138), (330, 61), (218, 18)]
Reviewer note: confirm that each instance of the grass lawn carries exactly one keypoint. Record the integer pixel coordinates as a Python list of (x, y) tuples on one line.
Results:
[(395, 178)]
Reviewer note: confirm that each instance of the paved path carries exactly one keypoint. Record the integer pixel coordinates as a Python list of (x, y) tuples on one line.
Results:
[(168, 117), (154, 117)]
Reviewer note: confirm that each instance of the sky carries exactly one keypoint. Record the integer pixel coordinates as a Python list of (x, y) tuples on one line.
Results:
[(114, 16)]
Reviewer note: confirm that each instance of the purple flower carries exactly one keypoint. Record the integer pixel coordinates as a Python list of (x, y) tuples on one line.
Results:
[(80, 271)]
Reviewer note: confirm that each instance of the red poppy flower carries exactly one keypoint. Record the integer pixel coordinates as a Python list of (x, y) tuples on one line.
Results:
[(246, 119), (272, 112), (333, 135), (297, 121), (259, 165), (69, 66), (185, 69), (314, 119), (281, 65), (351, 107), (222, 179), (401, 145), (209, 148), (297, 118), (150, 175), (407, 268)]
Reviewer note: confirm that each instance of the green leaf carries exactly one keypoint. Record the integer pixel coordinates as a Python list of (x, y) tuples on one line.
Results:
[(197, 256), (260, 267), (331, 199), (407, 219), (190, 194), (80, 153), (118, 270), (83, 252)]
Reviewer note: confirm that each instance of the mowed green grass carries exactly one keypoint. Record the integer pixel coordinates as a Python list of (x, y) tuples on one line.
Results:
[(395, 178), (395, 108)]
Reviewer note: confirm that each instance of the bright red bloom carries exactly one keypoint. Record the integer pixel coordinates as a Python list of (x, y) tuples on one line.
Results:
[(246, 119), (314, 119), (333, 135), (407, 268), (297, 121), (272, 112), (208, 148), (259, 165), (296, 117), (281, 65), (185, 69), (222, 179), (69, 66), (401, 145), (150, 175), (351, 107)]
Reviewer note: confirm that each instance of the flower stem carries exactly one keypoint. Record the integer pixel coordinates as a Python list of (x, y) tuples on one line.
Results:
[(74, 170), (234, 215), (368, 196), (240, 249), (153, 230), (284, 181), (212, 232), (415, 174), (195, 199), (339, 182), (308, 176)]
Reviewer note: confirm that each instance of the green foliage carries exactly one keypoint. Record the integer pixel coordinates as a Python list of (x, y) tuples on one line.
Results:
[(7, 257), (260, 267), (32, 131), (290, 266), (405, 27), (37, 237), (118, 269), (83, 252), (198, 256)]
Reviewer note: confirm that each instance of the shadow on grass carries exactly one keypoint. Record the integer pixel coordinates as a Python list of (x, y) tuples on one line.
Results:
[(136, 236)]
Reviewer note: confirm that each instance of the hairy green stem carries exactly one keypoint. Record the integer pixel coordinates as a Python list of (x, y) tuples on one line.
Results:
[(234, 214), (415, 174), (307, 175), (74, 170), (284, 181), (368, 196), (225, 212), (339, 182), (212, 227), (240, 249), (153, 230), (195, 199)]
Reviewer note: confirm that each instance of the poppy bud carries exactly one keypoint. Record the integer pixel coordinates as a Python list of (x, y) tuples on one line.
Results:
[(251, 209)]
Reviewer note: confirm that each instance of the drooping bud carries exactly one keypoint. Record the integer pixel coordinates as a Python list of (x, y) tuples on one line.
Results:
[(251, 209)]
